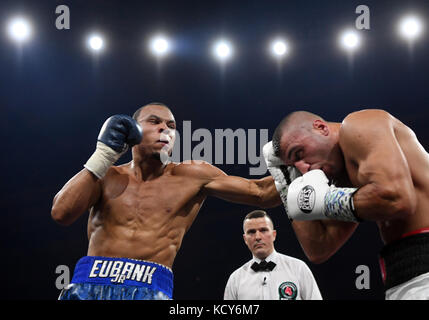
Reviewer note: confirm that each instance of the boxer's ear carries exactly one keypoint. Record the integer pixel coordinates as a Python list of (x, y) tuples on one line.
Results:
[(321, 126)]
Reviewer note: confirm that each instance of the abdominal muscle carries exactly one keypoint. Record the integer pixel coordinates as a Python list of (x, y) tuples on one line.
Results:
[(150, 245), (144, 223)]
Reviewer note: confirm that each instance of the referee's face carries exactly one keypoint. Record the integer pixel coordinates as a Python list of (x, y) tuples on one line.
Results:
[(259, 236)]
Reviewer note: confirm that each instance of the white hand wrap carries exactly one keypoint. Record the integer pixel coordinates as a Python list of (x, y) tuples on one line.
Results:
[(102, 159)]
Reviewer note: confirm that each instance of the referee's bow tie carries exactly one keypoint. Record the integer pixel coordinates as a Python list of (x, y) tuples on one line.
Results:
[(263, 266)]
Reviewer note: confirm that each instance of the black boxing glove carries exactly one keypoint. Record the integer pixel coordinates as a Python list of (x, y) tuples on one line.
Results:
[(118, 133)]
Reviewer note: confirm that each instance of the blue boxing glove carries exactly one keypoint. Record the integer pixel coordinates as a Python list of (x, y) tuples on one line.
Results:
[(310, 197), (118, 133)]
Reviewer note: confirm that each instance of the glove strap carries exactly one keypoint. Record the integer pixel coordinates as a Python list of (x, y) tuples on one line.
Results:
[(339, 204)]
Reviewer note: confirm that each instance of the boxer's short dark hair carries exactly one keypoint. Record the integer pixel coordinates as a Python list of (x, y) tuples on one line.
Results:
[(137, 113)]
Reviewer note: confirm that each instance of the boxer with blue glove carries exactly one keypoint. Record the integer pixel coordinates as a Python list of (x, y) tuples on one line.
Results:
[(141, 210)]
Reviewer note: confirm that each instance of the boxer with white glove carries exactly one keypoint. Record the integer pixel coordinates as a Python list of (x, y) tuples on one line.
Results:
[(118, 133), (283, 175), (375, 152), (310, 197)]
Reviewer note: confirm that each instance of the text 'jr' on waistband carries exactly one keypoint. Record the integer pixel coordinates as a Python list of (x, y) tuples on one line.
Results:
[(123, 271)]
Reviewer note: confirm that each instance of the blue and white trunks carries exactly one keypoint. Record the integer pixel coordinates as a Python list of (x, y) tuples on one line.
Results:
[(103, 278)]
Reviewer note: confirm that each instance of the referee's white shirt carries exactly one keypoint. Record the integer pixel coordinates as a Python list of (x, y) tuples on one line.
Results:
[(291, 279)]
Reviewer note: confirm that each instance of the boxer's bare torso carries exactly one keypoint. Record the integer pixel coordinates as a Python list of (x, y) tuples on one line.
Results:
[(142, 210), (145, 220)]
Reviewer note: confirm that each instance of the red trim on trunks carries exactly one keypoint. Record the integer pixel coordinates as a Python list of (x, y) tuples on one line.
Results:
[(382, 268), (422, 230)]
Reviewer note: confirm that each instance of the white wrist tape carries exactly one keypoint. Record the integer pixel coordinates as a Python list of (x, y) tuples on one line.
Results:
[(339, 204), (102, 159)]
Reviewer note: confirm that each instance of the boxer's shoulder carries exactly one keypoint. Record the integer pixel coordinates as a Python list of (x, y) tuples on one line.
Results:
[(363, 118), (364, 124)]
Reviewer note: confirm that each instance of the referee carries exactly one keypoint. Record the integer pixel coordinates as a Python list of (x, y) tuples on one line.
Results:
[(269, 275)]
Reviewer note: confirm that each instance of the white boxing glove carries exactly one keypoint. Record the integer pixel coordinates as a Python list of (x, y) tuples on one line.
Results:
[(310, 197), (283, 175)]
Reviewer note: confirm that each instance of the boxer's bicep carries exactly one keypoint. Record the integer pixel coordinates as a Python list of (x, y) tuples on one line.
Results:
[(77, 196)]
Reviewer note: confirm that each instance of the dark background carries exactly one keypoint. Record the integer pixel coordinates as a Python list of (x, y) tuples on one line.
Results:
[(55, 95)]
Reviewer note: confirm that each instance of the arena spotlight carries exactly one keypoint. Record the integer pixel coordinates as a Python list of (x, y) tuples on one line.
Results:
[(410, 27), (350, 40), (160, 45), (19, 29), (95, 42), (279, 48), (222, 50)]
